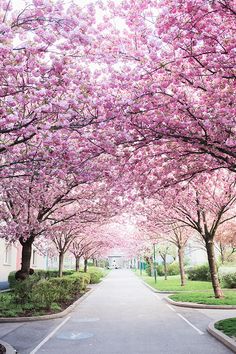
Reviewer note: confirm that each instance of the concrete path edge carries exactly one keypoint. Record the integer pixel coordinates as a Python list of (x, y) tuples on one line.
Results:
[(49, 317), (227, 341), (200, 306), (9, 348)]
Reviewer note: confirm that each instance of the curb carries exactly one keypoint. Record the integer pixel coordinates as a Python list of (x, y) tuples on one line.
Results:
[(9, 348), (200, 306), (48, 317), (223, 338)]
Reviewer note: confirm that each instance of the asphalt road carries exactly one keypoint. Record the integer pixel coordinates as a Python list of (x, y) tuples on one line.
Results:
[(121, 316)]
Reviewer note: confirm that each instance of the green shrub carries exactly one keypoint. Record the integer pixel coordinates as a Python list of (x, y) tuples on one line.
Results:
[(201, 272), (229, 280), (23, 290), (95, 275), (44, 293), (38, 274), (11, 279), (173, 269), (148, 270)]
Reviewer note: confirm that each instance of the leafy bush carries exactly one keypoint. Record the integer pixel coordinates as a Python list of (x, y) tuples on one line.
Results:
[(23, 290), (38, 274), (160, 270), (173, 269), (95, 275), (229, 280), (148, 270), (201, 272)]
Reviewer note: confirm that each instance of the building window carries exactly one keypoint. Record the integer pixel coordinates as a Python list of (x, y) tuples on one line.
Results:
[(7, 258), (34, 257)]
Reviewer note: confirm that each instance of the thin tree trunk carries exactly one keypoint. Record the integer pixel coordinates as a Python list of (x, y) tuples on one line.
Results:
[(222, 256), (165, 267), (77, 262), (26, 254), (61, 263), (181, 265), (213, 269), (85, 265)]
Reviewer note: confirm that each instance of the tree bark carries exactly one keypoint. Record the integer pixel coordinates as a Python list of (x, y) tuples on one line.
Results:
[(26, 254), (85, 265), (213, 269), (181, 265), (61, 263), (222, 256), (165, 267), (77, 261)]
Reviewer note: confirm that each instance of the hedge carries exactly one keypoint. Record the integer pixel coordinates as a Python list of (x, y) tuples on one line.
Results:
[(95, 275), (201, 272), (229, 280), (38, 274)]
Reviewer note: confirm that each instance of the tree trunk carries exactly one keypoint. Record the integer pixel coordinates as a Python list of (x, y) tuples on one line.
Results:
[(181, 265), (26, 254), (77, 261), (213, 269), (165, 267), (222, 255), (61, 263), (85, 265)]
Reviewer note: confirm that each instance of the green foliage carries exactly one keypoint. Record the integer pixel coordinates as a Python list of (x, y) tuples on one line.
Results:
[(148, 270), (23, 290), (173, 269), (95, 275), (40, 292), (38, 274), (201, 272), (44, 293), (229, 280)]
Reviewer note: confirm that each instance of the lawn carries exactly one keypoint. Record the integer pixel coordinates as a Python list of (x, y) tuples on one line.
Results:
[(228, 326), (173, 283), (206, 298)]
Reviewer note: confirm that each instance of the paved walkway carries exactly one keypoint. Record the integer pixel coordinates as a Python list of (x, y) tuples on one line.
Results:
[(121, 316)]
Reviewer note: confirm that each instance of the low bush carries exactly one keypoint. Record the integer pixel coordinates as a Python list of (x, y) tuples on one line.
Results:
[(41, 291), (23, 290), (95, 275), (173, 269), (201, 272), (148, 270), (38, 274), (229, 280)]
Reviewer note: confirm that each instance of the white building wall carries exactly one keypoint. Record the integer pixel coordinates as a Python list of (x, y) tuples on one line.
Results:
[(7, 260)]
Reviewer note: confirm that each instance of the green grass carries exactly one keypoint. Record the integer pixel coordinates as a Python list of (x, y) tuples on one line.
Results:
[(228, 326), (173, 283), (206, 298)]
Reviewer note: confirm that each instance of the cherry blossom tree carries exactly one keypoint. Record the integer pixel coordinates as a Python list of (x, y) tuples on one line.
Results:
[(204, 207), (226, 242), (44, 80), (171, 70)]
